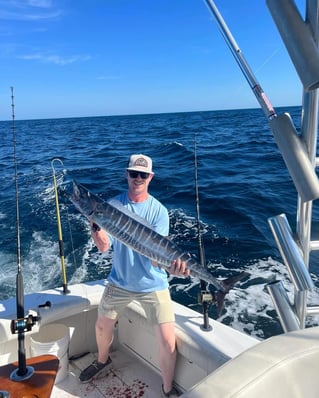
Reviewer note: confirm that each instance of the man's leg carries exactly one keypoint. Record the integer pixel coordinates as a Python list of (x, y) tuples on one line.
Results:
[(165, 333), (104, 328), (104, 335)]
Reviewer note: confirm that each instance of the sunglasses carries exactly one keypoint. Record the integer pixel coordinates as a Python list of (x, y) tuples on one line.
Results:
[(135, 174)]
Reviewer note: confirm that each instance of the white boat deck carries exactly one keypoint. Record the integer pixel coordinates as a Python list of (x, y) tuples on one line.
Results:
[(128, 378), (135, 370)]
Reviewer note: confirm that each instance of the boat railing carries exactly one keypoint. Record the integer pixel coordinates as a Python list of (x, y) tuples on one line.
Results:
[(301, 37)]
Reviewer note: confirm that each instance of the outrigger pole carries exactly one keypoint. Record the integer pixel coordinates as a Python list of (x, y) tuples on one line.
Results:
[(21, 324), (240, 59), (290, 144), (61, 247), (205, 298)]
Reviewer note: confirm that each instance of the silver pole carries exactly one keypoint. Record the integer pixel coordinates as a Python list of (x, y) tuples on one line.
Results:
[(296, 160), (287, 316), (309, 126)]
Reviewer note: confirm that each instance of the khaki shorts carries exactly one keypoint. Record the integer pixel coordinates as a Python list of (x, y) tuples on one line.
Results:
[(157, 305)]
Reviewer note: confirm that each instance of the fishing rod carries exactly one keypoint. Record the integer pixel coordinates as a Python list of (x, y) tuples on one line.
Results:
[(199, 234), (291, 146), (205, 298), (21, 324), (240, 59), (61, 246)]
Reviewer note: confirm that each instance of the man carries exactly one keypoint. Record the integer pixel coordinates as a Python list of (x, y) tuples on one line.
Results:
[(134, 277)]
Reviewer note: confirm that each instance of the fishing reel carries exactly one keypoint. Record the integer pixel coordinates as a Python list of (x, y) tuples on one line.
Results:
[(26, 324), (206, 297), (23, 324)]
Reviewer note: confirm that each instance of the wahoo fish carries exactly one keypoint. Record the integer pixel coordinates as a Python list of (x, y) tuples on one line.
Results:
[(134, 232)]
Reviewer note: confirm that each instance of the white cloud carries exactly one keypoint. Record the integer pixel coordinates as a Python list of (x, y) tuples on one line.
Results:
[(109, 77), (55, 59), (40, 3), (28, 10)]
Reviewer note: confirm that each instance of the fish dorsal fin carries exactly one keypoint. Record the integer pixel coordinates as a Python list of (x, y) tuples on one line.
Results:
[(119, 206)]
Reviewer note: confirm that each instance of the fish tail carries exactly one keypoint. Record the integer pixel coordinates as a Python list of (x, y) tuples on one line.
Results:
[(228, 284)]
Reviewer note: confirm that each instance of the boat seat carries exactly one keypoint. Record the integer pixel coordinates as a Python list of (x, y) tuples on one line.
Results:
[(281, 366)]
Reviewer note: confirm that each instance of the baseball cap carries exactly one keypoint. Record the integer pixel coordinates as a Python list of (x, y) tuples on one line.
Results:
[(140, 163)]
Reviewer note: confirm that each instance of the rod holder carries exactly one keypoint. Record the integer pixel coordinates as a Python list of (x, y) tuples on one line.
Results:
[(291, 253), (298, 39), (287, 316), (313, 310), (296, 157)]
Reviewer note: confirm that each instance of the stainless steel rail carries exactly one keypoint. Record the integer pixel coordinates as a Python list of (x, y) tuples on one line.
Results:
[(301, 38)]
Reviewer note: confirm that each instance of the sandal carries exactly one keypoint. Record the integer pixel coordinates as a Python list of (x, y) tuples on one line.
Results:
[(94, 370)]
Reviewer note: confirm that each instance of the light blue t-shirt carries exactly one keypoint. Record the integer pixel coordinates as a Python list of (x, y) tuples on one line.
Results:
[(131, 270)]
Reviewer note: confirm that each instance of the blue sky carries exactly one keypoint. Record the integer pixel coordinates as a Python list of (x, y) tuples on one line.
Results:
[(68, 58)]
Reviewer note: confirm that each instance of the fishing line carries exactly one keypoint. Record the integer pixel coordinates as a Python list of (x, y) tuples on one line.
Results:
[(239, 88), (242, 63), (60, 238), (267, 59), (71, 237)]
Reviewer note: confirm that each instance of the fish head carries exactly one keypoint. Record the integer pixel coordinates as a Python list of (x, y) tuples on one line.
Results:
[(83, 200)]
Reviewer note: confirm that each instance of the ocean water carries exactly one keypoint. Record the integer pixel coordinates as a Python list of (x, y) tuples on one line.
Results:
[(242, 182)]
